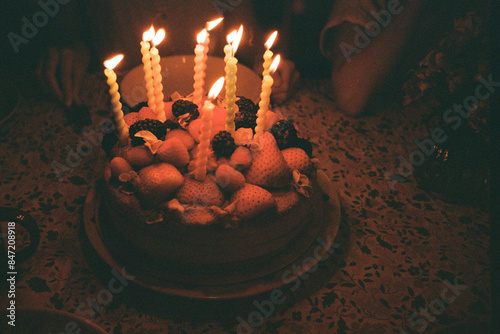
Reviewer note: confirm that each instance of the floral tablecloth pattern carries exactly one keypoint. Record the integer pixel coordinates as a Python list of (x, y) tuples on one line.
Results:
[(404, 259)]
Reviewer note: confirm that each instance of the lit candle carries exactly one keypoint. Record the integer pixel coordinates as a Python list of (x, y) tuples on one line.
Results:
[(199, 68), (206, 131), (158, 86), (200, 61), (231, 68), (265, 96), (146, 60), (121, 127), (268, 55)]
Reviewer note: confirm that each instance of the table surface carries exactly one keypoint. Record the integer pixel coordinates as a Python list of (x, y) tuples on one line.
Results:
[(406, 260)]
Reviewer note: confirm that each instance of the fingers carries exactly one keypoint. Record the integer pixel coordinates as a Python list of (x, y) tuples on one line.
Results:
[(286, 79), (67, 60), (50, 73)]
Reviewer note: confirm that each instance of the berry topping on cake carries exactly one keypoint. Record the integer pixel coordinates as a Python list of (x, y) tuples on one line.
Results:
[(108, 141), (223, 144), (245, 119), (183, 136), (157, 182), (303, 144), (147, 112), (297, 159), (205, 193), (131, 118), (118, 166), (246, 105), (228, 178), (181, 107), (241, 158), (268, 168), (174, 152), (156, 127), (251, 200), (285, 133)]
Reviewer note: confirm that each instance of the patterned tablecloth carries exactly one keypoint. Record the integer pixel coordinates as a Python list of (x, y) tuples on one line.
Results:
[(405, 260)]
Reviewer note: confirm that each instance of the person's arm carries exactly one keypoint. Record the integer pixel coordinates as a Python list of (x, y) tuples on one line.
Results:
[(362, 62)]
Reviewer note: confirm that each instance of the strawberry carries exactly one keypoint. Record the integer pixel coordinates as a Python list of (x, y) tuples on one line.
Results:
[(118, 166), (251, 200), (174, 152), (285, 200), (138, 156), (268, 168), (131, 118), (218, 124), (147, 112), (228, 178), (183, 136), (297, 159), (241, 158), (157, 182), (205, 193), (271, 119)]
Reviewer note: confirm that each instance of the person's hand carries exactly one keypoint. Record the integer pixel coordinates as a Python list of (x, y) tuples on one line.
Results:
[(61, 71)]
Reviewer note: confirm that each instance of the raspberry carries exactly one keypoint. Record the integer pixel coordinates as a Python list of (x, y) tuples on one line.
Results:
[(245, 120), (223, 144), (154, 126), (246, 105), (303, 144), (181, 107), (285, 134)]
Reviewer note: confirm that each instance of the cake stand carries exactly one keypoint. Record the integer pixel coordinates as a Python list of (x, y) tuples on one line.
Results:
[(276, 274)]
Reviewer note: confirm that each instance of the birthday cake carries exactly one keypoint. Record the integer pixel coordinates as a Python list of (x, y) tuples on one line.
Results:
[(257, 204)]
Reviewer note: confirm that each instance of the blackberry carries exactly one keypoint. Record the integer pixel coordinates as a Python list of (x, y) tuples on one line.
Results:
[(156, 127), (223, 144), (171, 125), (303, 144), (245, 120), (246, 105), (138, 106), (181, 107), (285, 134)]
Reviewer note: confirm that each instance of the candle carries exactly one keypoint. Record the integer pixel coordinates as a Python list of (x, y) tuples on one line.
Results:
[(200, 61), (231, 69), (121, 127), (156, 68), (206, 131), (199, 68), (148, 72), (265, 96), (268, 55)]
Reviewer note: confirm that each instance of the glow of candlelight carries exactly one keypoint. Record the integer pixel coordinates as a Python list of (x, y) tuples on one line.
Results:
[(275, 64), (159, 36), (271, 40), (216, 88), (230, 38), (148, 35), (202, 36), (236, 42), (113, 62), (212, 24)]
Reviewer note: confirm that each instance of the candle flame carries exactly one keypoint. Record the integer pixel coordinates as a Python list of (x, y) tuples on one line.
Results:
[(202, 36), (159, 36), (213, 24), (274, 64), (111, 63), (216, 88), (148, 35), (230, 38), (237, 39), (271, 40)]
